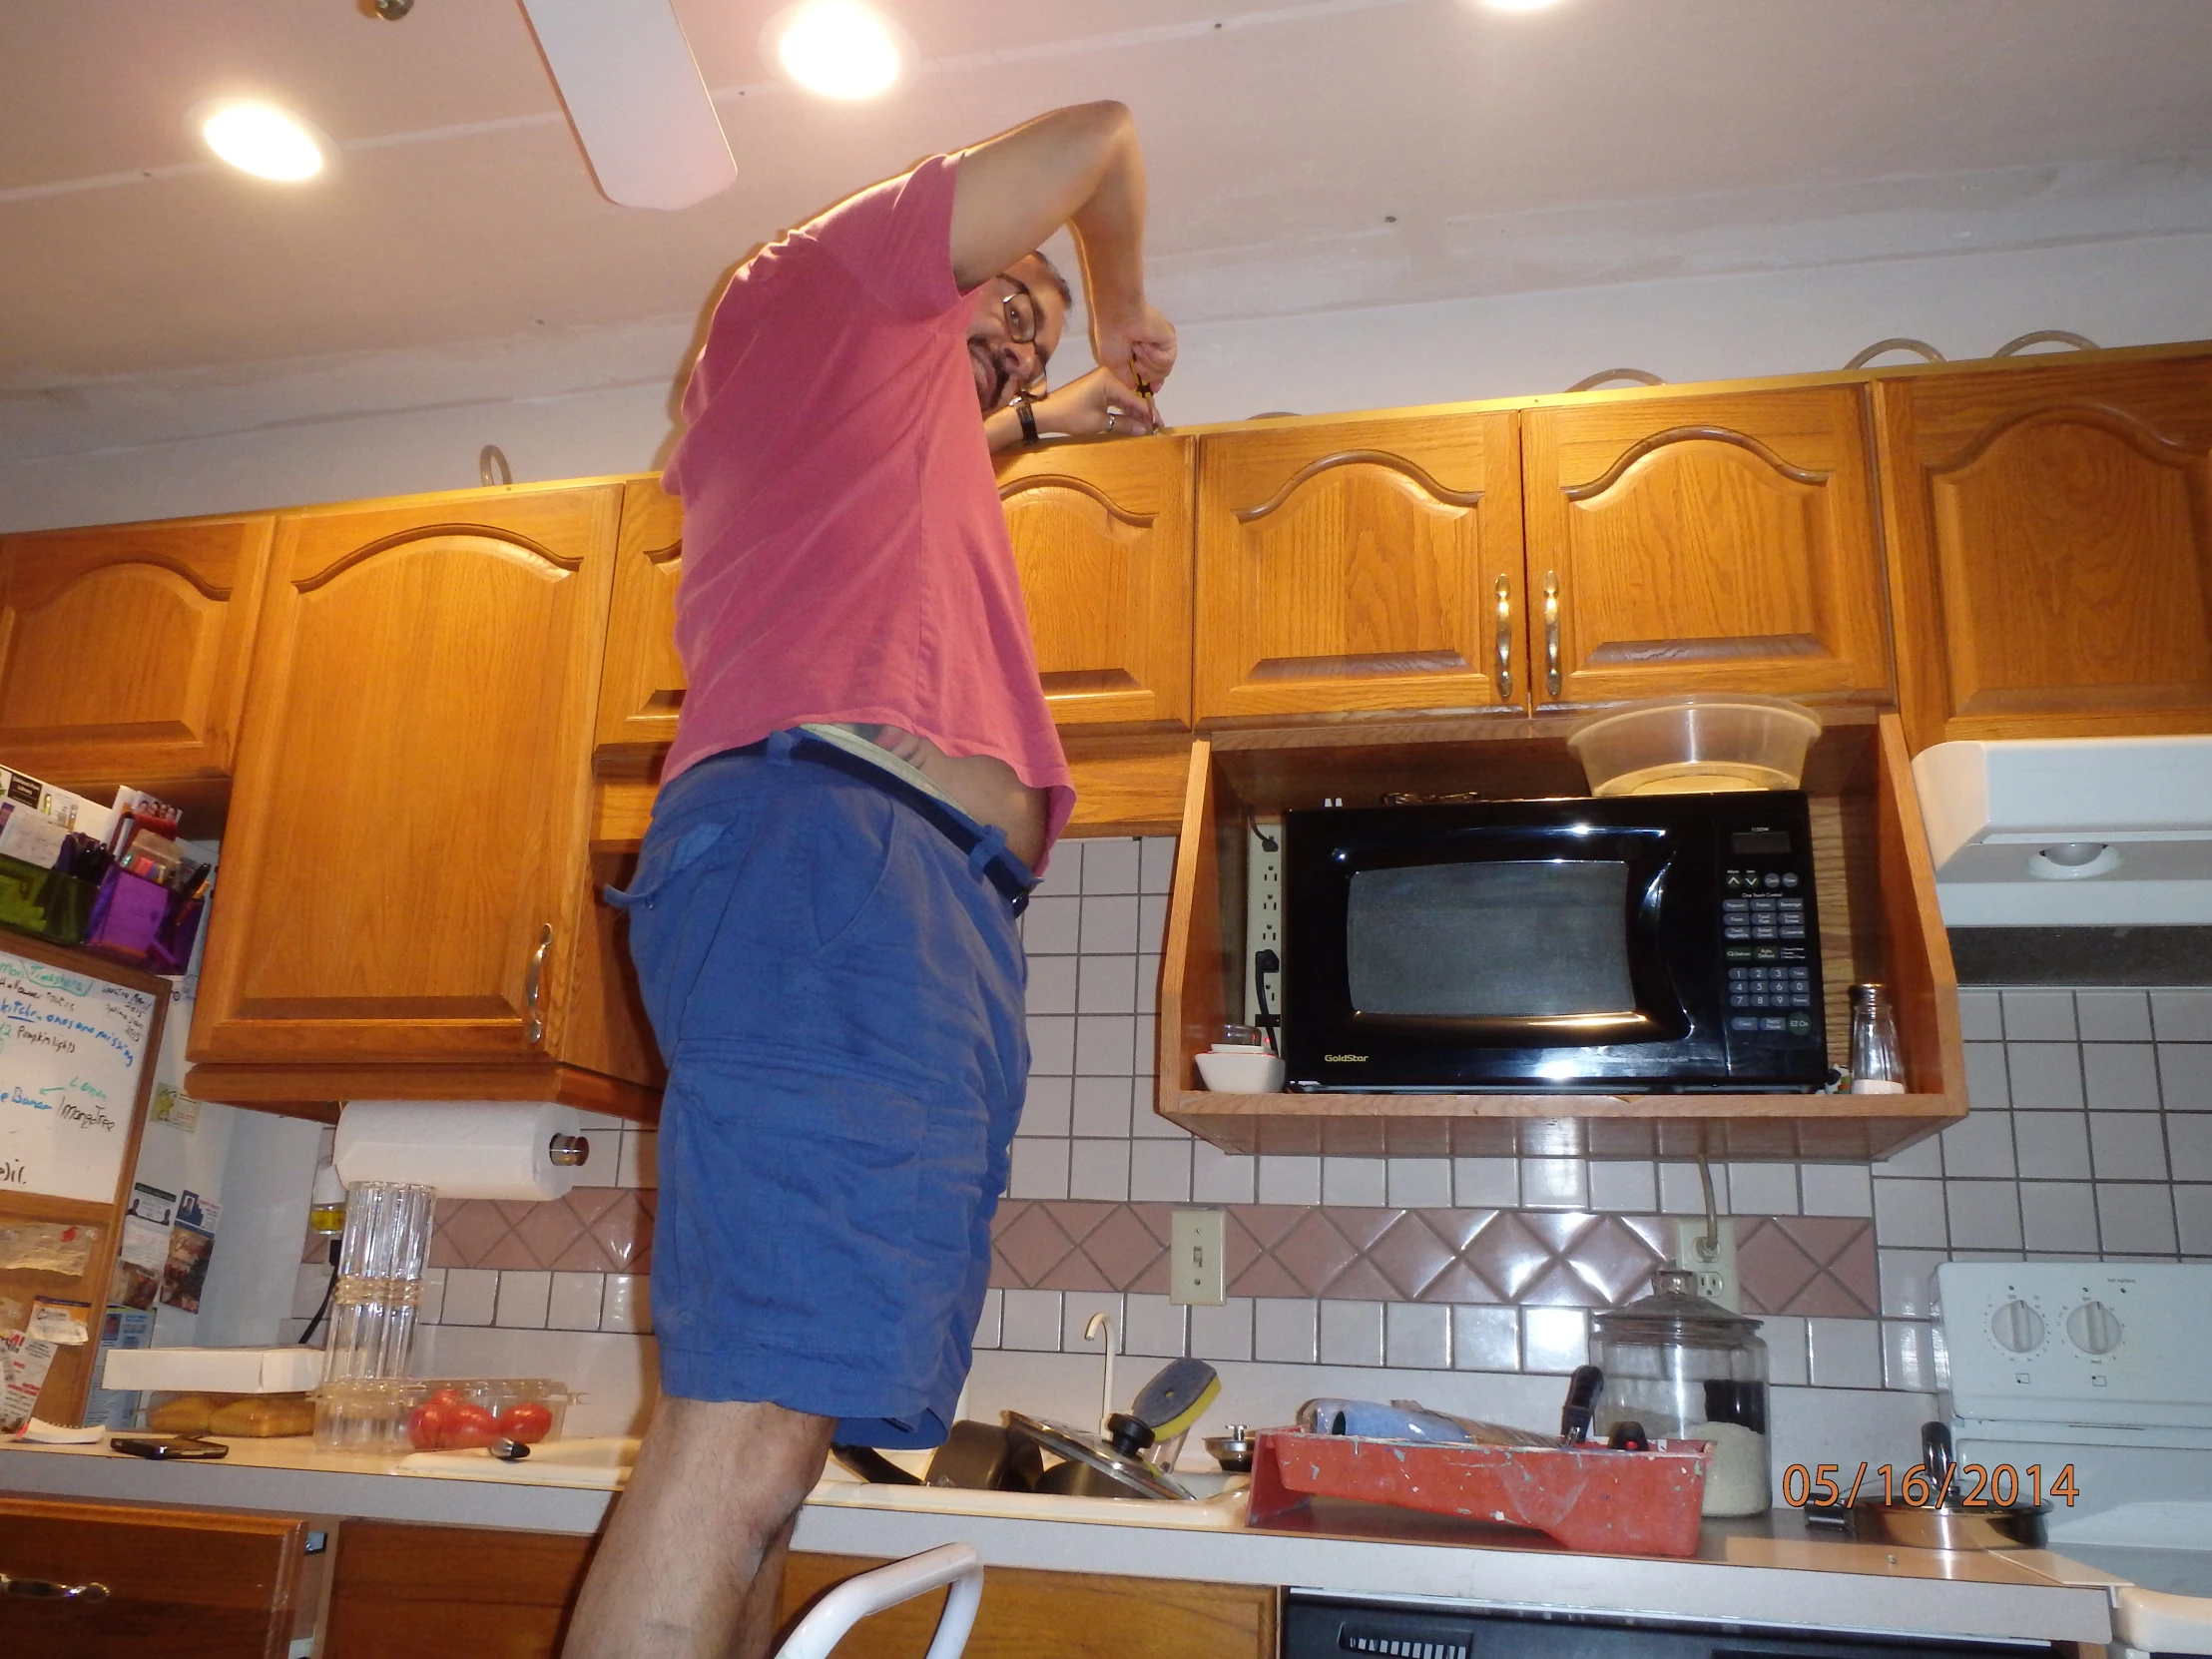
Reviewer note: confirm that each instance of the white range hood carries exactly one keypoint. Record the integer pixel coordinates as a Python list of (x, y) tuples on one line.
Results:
[(2070, 832)]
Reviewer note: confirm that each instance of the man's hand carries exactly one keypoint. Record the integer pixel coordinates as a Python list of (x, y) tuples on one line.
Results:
[(1141, 347), (1100, 404)]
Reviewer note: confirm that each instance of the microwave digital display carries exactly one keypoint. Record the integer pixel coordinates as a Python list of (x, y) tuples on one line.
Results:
[(1510, 941), (1622, 945)]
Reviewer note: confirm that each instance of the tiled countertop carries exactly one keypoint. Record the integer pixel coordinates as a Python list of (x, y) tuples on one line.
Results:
[(1766, 1571)]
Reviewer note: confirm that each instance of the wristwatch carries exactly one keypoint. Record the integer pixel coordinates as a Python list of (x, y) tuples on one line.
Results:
[(1027, 418)]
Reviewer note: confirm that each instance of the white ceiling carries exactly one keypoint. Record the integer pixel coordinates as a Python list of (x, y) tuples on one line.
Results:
[(1303, 156)]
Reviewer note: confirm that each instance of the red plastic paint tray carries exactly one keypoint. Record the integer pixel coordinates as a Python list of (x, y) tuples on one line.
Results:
[(1587, 1497)]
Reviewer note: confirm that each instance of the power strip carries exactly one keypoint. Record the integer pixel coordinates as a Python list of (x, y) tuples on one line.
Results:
[(1263, 910)]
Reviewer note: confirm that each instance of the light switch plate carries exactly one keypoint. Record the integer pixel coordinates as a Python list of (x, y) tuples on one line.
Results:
[(1716, 1279), (1196, 1270)]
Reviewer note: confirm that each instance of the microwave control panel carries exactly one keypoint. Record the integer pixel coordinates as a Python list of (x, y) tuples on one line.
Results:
[(1770, 942)]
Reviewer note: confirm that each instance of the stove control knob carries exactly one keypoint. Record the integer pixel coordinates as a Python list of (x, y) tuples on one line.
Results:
[(2017, 1328), (2093, 1328)]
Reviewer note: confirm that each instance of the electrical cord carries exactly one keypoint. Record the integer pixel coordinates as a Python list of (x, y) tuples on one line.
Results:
[(307, 1337)]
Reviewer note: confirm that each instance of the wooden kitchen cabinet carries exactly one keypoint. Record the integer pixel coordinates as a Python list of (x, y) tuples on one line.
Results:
[(1102, 537), (2051, 536), (1713, 541), (443, 1592), (1359, 566), (124, 650), (407, 845), (182, 1583), (641, 687)]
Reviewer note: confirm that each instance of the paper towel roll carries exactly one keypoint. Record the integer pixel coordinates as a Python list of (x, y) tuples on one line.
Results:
[(462, 1148)]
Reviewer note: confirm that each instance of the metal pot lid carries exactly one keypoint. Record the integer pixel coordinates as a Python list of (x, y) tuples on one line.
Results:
[(1675, 1314), (1139, 1477)]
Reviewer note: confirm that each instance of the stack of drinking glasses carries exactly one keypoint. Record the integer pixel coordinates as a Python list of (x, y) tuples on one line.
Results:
[(362, 1402)]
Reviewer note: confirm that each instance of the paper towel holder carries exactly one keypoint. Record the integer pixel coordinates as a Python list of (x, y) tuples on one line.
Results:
[(568, 1151)]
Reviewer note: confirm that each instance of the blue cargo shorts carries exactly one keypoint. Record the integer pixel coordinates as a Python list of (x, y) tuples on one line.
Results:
[(837, 989)]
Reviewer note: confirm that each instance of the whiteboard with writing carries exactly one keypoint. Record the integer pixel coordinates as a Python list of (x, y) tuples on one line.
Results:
[(72, 1051)]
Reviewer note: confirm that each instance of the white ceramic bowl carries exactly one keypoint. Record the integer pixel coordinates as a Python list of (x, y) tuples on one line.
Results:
[(1246, 1072)]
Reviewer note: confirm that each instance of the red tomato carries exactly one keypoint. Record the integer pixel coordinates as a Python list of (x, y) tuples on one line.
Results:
[(527, 1421), (468, 1425), (427, 1425), (445, 1396)]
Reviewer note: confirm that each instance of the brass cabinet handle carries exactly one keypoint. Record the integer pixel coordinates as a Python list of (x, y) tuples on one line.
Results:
[(1551, 632), (533, 984), (45, 1589), (1504, 640)]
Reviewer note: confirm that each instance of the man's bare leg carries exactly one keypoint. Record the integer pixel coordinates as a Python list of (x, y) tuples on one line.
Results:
[(693, 1560)]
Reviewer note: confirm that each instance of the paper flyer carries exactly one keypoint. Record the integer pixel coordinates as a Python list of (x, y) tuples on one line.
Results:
[(122, 1328), (184, 1272)]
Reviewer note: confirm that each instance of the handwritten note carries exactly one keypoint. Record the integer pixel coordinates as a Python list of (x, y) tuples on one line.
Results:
[(72, 1048)]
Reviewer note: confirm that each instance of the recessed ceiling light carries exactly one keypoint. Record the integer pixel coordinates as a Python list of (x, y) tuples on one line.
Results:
[(263, 140), (837, 48)]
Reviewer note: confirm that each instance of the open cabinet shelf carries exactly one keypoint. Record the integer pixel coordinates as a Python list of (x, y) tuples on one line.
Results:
[(1879, 922)]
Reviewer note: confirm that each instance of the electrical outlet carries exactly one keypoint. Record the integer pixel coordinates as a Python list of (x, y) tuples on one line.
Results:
[(1716, 1280), (1197, 1245), (1263, 910)]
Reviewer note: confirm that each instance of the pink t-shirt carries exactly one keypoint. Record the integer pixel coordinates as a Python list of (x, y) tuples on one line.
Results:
[(845, 557)]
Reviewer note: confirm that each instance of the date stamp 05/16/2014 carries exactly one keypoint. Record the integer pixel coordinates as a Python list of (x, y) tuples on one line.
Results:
[(1961, 1486)]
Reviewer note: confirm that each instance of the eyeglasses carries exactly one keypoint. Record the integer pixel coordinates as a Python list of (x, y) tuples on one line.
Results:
[(1022, 316)]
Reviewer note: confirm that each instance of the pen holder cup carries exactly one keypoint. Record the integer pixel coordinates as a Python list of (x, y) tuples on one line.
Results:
[(143, 922), (45, 902)]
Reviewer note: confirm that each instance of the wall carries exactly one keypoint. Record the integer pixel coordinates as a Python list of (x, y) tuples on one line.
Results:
[(1469, 1283), (599, 401)]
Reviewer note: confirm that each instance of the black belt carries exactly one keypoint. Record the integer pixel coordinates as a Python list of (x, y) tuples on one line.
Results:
[(1007, 873)]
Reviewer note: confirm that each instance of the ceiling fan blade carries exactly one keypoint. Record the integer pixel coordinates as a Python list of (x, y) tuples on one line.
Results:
[(636, 99)]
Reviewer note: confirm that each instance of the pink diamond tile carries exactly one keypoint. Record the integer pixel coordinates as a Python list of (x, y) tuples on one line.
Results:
[(1361, 1282), (1613, 1261), (1558, 1229), (1459, 1282), (1771, 1267), (585, 1254), (1508, 1254), (1410, 1255), (1314, 1253), (1003, 1276), (470, 1231), (1362, 1224), (1078, 1216), (1122, 1248), (1033, 1245), (1010, 1210), (1657, 1232), (513, 1211), (1456, 1228), (1823, 1238), (1075, 1272), (1854, 1268), (1271, 1223), (1556, 1285), (1159, 1220), (510, 1253), (590, 1202), (1241, 1250), (1825, 1297), (550, 1230)]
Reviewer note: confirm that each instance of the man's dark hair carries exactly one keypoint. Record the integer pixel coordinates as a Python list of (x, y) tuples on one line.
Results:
[(1067, 295)]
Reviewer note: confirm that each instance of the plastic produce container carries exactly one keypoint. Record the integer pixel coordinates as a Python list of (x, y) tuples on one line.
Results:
[(449, 1414), (1697, 743)]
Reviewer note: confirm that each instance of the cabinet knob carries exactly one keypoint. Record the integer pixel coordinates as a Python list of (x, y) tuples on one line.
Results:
[(1504, 640), (1551, 634), (533, 985), (45, 1589)]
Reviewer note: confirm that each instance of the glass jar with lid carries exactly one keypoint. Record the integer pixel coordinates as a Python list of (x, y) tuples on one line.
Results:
[(1689, 1369)]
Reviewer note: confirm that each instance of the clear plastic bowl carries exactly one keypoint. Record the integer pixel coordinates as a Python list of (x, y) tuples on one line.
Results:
[(1696, 744), (388, 1415)]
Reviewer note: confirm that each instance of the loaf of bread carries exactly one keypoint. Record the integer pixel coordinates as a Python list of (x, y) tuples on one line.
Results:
[(180, 1414), (260, 1417)]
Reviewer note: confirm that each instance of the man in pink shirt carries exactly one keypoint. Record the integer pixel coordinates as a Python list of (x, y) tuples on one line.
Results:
[(824, 914)]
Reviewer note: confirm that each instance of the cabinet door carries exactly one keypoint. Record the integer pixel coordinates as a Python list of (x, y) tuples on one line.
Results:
[(1360, 565), (2051, 544), (123, 650), (1102, 536), (409, 831), (641, 690), (182, 1583), (1710, 542)]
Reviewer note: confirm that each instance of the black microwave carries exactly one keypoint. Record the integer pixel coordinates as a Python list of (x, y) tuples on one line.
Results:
[(1621, 944)]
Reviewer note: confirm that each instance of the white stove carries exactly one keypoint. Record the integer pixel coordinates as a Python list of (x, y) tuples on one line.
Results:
[(2091, 1384)]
